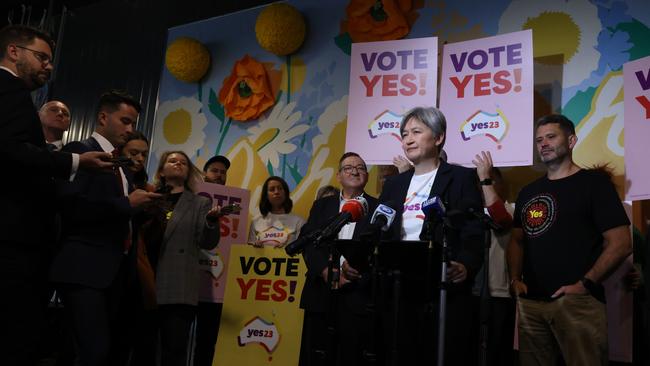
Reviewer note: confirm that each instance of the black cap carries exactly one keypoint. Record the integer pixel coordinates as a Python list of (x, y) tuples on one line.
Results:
[(217, 158)]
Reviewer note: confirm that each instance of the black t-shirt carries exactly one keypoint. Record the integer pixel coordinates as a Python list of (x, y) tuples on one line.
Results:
[(563, 221)]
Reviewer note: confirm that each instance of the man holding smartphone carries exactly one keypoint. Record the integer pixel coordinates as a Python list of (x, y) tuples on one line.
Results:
[(91, 266)]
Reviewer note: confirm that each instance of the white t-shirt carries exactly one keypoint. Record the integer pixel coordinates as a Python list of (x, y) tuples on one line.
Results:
[(418, 192), (275, 229)]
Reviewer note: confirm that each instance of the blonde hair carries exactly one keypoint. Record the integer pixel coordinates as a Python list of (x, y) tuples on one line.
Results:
[(193, 178)]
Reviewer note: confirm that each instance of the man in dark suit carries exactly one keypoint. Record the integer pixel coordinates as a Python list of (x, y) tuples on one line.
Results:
[(90, 268), (351, 318), (27, 195)]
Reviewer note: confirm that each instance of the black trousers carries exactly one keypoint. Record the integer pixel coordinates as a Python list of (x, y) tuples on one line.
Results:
[(175, 323), (23, 292), (208, 317)]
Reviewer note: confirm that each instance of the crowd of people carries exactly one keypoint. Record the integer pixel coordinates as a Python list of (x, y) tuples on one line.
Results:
[(84, 224)]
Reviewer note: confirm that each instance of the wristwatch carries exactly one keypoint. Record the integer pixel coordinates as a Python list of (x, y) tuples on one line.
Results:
[(589, 284), (486, 182)]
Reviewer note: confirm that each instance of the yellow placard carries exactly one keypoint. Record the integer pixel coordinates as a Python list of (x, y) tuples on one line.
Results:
[(261, 322)]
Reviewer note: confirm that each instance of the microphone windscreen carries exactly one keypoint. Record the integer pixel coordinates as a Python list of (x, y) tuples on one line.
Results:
[(364, 204), (354, 208)]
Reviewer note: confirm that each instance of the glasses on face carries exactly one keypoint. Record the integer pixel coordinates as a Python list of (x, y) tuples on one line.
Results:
[(349, 169), (43, 57)]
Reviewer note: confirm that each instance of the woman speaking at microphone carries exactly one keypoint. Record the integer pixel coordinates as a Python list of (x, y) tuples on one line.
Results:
[(423, 132)]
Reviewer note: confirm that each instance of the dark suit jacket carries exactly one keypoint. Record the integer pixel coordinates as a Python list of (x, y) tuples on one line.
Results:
[(315, 294), (27, 190), (95, 218), (458, 188)]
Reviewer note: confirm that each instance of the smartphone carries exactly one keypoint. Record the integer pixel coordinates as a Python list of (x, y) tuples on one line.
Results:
[(230, 209), (164, 190), (122, 161)]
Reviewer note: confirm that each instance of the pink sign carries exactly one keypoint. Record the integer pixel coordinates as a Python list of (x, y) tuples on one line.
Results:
[(636, 76), (486, 93), (386, 80), (234, 230)]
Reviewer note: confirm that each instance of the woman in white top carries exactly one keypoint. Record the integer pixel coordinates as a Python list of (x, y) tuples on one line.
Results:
[(423, 133), (276, 226)]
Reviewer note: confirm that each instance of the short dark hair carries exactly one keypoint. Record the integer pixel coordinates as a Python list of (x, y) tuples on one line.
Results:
[(216, 159), (110, 101), (21, 35), (140, 178), (565, 124), (137, 135), (265, 204), (347, 155)]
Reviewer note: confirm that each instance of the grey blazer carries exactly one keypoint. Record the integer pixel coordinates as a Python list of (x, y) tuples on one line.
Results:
[(177, 276)]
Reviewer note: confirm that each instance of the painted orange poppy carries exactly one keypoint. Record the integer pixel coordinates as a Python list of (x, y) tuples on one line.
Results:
[(246, 93), (380, 20)]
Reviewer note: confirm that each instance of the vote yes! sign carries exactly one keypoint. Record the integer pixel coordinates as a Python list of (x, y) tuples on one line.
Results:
[(386, 80), (486, 94)]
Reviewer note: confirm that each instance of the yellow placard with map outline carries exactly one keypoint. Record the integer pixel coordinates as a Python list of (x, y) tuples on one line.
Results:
[(261, 322)]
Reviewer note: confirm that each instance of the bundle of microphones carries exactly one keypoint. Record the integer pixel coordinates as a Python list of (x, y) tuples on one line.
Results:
[(356, 209)]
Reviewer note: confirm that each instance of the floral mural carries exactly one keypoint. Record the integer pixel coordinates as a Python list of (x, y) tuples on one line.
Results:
[(296, 121)]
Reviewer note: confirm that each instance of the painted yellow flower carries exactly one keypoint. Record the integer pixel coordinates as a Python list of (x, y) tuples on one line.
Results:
[(271, 135), (280, 29), (564, 33), (179, 126), (187, 59)]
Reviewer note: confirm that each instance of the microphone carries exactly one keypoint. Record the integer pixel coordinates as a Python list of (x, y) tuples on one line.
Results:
[(352, 211), (484, 218), (298, 245), (381, 219), (433, 208)]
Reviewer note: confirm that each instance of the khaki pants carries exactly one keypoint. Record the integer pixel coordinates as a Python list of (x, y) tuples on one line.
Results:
[(575, 325)]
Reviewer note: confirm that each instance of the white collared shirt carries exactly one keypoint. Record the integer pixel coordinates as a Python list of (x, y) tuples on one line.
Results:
[(58, 144), (347, 231), (108, 147)]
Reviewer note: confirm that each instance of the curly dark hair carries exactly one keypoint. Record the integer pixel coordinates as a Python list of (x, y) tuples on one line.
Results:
[(265, 204)]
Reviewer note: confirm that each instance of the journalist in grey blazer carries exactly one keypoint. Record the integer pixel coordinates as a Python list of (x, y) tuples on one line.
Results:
[(177, 277)]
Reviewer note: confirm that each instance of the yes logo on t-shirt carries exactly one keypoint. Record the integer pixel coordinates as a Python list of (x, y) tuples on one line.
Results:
[(538, 214), (274, 236)]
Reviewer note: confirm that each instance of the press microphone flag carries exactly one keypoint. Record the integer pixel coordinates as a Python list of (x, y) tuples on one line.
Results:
[(383, 217), (434, 206)]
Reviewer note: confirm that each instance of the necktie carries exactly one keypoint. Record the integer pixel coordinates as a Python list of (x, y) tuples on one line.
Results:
[(50, 147)]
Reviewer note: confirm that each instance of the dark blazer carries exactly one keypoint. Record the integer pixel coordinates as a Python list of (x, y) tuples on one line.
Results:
[(95, 222), (315, 293), (458, 188), (177, 274), (27, 192)]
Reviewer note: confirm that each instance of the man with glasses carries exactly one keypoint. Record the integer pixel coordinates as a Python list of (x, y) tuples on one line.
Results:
[(352, 319), (27, 215), (55, 119)]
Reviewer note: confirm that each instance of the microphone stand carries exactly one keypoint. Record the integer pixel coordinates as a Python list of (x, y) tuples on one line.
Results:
[(442, 314), (370, 353), (488, 226), (328, 356), (485, 299)]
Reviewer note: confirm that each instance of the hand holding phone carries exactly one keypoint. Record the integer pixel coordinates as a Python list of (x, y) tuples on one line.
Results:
[(230, 209), (121, 161)]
